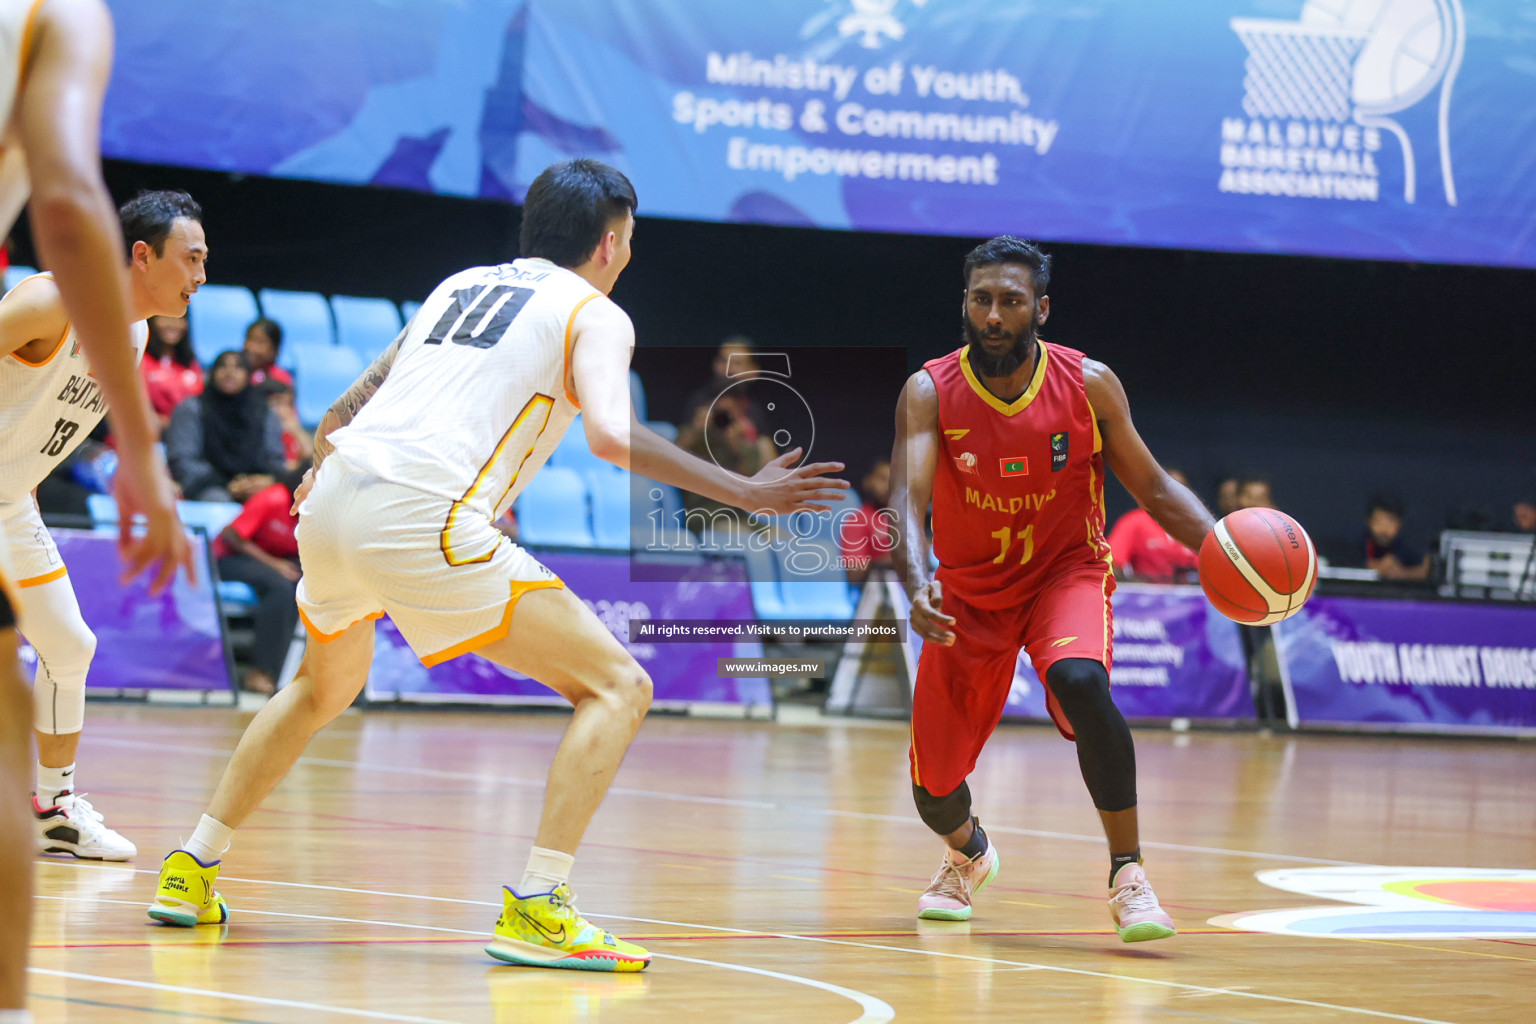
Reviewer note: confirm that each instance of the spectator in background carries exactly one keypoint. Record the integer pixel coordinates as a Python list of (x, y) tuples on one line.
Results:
[(1254, 492), (866, 535), (1145, 551), (722, 423), (225, 444), (263, 340), (1525, 516), (1226, 496), (169, 367), (298, 443), (259, 550), (1385, 550)]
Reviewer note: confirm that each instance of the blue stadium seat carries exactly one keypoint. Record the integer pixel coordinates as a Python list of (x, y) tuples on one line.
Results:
[(366, 326), (103, 509), (321, 373), (610, 507), (637, 394), (408, 310), (573, 453), (209, 516), (305, 318), (665, 429), (763, 576), (217, 319), (553, 509), (14, 275)]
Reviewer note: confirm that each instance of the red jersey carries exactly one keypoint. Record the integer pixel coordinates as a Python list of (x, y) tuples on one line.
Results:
[(1148, 550), (267, 522), (1018, 493)]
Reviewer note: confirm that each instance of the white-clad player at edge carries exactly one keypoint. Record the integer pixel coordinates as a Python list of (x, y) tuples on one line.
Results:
[(49, 403), (55, 60), (414, 464)]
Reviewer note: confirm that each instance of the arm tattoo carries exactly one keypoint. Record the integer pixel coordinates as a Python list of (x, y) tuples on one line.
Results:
[(345, 408)]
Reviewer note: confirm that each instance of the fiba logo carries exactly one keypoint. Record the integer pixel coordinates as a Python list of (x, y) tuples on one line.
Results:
[(873, 21), (1322, 93)]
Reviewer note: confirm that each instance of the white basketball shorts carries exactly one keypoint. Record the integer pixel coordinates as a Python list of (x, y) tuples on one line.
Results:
[(370, 547)]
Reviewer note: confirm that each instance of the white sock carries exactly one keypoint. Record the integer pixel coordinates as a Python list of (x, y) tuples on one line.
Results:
[(15, 1017), (547, 869), (50, 783), (210, 840)]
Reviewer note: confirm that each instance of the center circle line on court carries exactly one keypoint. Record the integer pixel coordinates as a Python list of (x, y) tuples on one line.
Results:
[(876, 1011)]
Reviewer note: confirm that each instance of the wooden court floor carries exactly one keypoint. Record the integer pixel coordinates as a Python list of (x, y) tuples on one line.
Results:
[(774, 871)]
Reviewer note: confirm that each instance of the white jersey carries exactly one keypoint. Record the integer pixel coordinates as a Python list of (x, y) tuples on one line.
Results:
[(16, 19), (476, 399), (47, 409)]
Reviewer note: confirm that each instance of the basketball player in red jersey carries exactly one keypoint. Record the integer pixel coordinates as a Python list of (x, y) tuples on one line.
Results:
[(1007, 439)]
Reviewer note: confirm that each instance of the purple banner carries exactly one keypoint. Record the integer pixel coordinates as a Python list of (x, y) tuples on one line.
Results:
[(681, 673), (1433, 665), (1175, 657), (171, 642)]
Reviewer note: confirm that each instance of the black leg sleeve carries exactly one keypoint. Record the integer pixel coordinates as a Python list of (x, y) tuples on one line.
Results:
[(1105, 751)]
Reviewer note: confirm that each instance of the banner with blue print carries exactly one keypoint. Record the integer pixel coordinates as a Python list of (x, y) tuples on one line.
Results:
[(1396, 129), (1411, 665), (1174, 657)]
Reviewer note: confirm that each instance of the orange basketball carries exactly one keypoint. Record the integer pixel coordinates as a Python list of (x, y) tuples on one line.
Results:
[(1258, 566)]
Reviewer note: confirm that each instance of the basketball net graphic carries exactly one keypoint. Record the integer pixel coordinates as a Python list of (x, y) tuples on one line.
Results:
[(1360, 60)]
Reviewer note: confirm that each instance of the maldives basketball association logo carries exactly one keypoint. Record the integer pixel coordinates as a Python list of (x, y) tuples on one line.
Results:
[(1324, 98)]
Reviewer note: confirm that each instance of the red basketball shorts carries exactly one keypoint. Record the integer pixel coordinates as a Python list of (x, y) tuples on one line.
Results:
[(961, 690)]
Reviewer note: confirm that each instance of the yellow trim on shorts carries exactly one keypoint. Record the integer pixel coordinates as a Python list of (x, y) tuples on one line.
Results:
[(325, 638), (565, 373), (498, 631), (48, 577)]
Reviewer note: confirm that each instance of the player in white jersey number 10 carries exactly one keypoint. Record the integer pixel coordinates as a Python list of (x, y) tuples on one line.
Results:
[(413, 465), (55, 59), (50, 401)]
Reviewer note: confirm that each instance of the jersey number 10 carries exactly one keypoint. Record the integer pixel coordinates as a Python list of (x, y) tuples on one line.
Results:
[(479, 317)]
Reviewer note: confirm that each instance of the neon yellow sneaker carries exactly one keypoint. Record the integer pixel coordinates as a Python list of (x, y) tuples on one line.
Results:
[(186, 896), (546, 931)]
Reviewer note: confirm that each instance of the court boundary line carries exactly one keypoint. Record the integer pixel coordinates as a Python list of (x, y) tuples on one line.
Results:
[(875, 1010), (288, 1004), (1024, 964)]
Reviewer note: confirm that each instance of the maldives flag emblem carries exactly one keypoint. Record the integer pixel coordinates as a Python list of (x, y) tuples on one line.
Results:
[(1016, 466)]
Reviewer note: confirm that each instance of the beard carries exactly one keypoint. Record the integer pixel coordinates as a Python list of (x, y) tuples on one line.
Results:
[(1004, 363)]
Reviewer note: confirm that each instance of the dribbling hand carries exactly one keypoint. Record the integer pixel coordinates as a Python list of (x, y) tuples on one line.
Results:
[(778, 489), (927, 620), (144, 488)]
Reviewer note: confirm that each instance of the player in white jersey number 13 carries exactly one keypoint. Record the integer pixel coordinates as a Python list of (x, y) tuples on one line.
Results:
[(50, 401), (413, 465)]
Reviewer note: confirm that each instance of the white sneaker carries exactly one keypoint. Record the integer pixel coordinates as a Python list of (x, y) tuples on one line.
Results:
[(73, 826)]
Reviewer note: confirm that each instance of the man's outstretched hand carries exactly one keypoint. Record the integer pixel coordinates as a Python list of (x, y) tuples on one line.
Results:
[(779, 489)]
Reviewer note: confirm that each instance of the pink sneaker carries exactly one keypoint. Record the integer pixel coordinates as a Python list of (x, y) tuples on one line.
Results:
[(949, 894), (1132, 903)]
